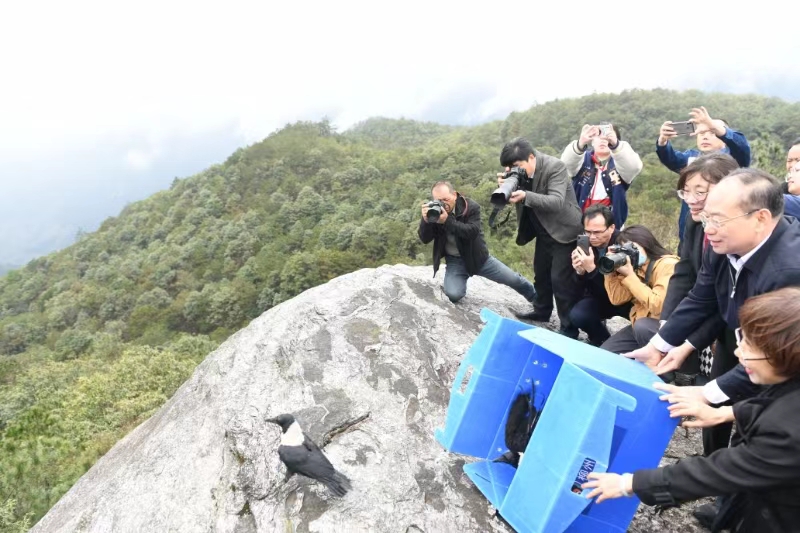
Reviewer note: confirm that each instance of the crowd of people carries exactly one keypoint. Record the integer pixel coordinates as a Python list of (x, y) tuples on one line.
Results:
[(719, 320)]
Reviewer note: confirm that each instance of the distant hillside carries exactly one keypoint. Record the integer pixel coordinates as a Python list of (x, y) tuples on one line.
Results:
[(98, 335), (6, 268), (639, 114), (396, 133)]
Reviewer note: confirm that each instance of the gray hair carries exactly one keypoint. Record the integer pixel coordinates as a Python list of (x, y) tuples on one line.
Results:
[(761, 191), (444, 184)]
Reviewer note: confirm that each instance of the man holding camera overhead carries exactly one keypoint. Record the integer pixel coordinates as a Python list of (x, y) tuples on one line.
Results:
[(548, 212), (603, 174), (453, 223), (712, 135)]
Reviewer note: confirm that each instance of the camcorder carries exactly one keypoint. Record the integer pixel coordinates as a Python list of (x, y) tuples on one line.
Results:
[(514, 179), (435, 208), (610, 262)]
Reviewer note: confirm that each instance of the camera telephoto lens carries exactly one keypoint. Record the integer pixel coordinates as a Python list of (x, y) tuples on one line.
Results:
[(501, 195)]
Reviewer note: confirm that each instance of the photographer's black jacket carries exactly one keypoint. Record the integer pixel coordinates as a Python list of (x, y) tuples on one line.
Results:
[(465, 224)]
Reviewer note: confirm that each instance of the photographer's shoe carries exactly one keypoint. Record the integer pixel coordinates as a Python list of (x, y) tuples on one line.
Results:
[(535, 315), (705, 514), (571, 332)]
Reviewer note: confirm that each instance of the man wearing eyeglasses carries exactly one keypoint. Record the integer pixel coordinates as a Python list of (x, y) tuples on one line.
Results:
[(595, 307), (755, 250), (712, 135), (603, 167), (792, 157), (792, 198)]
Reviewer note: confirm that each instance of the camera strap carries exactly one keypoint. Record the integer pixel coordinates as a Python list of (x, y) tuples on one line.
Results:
[(493, 216), (650, 266)]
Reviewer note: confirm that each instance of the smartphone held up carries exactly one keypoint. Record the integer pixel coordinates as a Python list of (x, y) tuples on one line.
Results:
[(683, 128), (583, 243)]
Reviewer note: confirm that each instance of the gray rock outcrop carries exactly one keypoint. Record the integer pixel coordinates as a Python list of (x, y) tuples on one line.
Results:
[(365, 362)]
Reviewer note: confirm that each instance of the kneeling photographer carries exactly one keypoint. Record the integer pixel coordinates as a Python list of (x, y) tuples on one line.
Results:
[(453, 223), (588, 314), (637, 270)]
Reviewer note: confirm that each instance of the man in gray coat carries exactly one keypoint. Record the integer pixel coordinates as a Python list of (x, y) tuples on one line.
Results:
[(548, 212)]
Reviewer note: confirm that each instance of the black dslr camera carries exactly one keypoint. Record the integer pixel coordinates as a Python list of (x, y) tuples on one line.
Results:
[(513, 181), (435, 209), (609, 263)]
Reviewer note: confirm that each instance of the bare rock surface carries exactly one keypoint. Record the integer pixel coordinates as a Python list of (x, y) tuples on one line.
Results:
[(365, 362)]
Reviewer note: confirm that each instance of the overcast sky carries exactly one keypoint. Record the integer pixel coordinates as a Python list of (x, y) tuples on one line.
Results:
[(102, 103)]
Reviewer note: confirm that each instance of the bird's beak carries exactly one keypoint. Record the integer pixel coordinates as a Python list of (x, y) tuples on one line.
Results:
[(272, 420)]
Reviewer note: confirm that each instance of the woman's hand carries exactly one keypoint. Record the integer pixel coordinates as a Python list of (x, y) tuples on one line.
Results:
[(626, 269), (690, 402), (676, 394), (608, 486), (703, 415)]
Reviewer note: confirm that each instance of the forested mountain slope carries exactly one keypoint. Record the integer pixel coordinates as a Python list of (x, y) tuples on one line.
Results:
[(97, 336)]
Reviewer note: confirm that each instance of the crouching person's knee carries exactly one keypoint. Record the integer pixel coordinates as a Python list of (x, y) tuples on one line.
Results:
[(645, 329), (576, 317), (454, 294), (454, 286)]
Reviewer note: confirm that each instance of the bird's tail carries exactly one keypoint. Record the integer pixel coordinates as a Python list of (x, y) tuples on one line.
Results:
[(516, 433), (338, 484)]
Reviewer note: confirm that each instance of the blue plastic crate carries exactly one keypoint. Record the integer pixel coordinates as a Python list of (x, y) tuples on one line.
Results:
[(599, 413)]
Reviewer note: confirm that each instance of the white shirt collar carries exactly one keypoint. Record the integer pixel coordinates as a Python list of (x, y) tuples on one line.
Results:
[(739, 263)]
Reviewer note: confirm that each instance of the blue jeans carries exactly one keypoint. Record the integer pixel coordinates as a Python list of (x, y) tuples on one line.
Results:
[(455, 278)]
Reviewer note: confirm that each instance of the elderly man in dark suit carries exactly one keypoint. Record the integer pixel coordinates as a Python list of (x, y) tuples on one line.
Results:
[(548, 212), (754, 250)]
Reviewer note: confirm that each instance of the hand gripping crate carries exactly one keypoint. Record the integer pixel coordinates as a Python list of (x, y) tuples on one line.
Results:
[(599, 412)]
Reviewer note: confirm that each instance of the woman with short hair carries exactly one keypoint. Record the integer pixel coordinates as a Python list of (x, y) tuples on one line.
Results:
[(759, 475)]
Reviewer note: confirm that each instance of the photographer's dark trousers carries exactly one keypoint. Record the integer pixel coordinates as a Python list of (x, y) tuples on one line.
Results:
[(590, 312), (719, 436), (633, 337), (553, 276), (456, 276)]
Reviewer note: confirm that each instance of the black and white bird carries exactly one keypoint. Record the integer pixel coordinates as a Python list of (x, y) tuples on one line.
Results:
[(302, 456)]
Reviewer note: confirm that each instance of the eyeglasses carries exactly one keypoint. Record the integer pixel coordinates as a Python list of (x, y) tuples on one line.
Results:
[(697, 195), (740, 340), (716, 223), (595, 233)]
